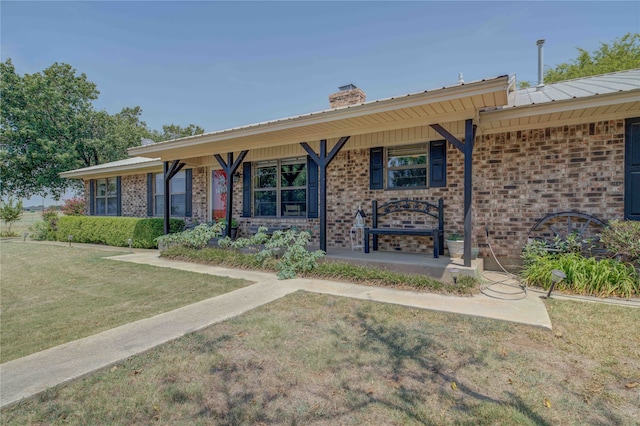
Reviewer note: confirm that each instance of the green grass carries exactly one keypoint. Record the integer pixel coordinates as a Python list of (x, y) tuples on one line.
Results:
[(340, 271), (55, 294), (316, 359)]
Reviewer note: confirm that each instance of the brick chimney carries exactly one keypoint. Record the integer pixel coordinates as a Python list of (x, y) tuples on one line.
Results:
[(348, 95)]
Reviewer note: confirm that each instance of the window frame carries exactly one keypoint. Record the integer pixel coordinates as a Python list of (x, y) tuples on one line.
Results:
[(279, 188), (158, 183), (424, 146), (104, 199)]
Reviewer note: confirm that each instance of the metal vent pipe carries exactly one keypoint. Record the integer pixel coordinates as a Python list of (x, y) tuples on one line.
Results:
[(540, 43)]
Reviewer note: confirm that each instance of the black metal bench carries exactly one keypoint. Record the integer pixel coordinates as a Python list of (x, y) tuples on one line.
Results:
[(401, 206)]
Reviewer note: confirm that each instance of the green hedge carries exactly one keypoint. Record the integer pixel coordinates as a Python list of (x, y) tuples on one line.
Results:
[(115, 231)]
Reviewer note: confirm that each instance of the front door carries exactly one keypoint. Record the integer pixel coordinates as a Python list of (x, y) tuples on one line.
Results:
[(632, 170), (218, 194)]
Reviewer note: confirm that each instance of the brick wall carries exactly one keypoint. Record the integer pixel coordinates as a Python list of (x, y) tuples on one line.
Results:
[(351, 168), (199, 188), (134, 195), (521, 176)]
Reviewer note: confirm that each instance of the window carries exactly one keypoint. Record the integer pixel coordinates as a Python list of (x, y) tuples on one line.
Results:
[(180, 203), (280, 188), (106, 198), (407, 166)]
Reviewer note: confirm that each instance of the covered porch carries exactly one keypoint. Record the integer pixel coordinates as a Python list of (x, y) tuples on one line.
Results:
[(326, 138), (440, 268)]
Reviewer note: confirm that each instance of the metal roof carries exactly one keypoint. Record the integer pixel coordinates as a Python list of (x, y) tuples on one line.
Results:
[(407, 96), (621, 81), (457, 102), (131, 163)]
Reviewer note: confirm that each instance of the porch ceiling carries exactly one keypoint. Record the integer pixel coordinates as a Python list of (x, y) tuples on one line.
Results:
[(442, 105)]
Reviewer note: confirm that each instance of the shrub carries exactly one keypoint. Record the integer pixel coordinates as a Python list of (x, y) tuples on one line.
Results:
[(45, 229), (147, 230), (197, 237), (41, 231), (10, 212), (622, 238), (296, 258), (73, 207), (114, 231), (290, 246), (588, 276)]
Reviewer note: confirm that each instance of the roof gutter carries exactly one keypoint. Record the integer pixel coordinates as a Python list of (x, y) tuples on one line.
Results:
[(561, 106), (96, 171)]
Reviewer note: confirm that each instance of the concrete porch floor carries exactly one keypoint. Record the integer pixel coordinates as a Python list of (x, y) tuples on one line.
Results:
[(411, 263)]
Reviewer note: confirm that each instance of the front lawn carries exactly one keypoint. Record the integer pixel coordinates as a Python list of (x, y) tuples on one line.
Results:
[(50, 295), (317, 359)]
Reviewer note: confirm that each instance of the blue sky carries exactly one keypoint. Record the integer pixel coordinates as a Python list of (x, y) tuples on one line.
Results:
[(225, 64)]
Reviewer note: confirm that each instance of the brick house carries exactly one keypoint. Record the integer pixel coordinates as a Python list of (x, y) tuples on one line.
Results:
[(569, 146)]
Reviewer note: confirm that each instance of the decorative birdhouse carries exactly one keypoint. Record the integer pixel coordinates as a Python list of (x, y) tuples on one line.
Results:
[(360, 218)]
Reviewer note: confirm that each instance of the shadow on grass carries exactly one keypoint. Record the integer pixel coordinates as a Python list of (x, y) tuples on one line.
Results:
[(413, 382)]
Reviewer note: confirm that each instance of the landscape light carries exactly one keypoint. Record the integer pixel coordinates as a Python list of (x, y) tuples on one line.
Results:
[(70, 237), (556, 277), (24, 236), (130, 241), (454, 274)]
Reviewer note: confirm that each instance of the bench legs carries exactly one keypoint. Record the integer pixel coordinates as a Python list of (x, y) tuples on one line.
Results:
[(436, 243)]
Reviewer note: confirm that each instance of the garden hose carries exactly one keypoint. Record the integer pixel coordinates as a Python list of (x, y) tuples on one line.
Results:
[(489, 287)]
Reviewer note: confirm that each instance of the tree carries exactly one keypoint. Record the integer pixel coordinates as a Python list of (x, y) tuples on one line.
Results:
[(43, 115), (107, 137), (622, 54), (175, 131), (10, 212), (48, 125)]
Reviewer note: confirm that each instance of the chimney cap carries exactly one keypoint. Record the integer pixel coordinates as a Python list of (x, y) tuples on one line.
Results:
[(540, 42), (347, 87)]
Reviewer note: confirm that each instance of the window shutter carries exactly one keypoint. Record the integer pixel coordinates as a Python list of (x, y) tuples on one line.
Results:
[(92, 197), (246, 189), (376, 168), (149, 194), (188, 177), (312, 189), (438, 164), (119, 196)]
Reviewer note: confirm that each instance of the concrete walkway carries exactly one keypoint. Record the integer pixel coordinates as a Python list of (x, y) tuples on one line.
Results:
[(27, 376)]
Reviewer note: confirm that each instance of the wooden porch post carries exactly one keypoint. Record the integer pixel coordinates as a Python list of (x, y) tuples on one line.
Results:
[(469, 139), (467, 150), (323, 161), (230, 167)]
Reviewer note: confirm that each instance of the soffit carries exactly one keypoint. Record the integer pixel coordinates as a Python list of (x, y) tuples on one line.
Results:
[(571, 111), (441, 105)]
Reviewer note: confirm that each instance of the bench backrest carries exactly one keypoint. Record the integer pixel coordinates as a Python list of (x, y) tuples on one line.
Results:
[(417, 206)]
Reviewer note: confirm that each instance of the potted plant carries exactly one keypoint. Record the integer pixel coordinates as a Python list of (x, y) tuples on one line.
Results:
[(234, 227), (455, 244)]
